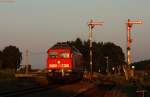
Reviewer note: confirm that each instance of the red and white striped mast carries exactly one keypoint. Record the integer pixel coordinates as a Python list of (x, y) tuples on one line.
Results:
[(129, 40), (91, 25)]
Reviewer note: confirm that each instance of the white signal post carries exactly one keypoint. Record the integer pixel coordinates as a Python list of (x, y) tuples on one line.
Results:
[(91, 25), (129, 41)]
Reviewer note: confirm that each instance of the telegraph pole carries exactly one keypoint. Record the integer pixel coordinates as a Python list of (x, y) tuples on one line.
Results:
[(129, 25), (91, 26)]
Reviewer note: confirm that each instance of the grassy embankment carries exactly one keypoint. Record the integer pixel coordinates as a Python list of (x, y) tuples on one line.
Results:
[(125, 88), (128, 88)]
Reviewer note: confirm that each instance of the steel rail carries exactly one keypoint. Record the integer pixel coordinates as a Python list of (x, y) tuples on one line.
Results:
[(26, 91)]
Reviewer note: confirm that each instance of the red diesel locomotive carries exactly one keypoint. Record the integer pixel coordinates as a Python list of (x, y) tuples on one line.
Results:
[(63, 61)]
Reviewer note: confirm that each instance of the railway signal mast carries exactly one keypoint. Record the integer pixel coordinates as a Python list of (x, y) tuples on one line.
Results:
[(129, 41), (91, 25)]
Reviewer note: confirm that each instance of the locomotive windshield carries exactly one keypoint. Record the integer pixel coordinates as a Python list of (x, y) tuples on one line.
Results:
[(64, 55), (53, 54), (59, 55)]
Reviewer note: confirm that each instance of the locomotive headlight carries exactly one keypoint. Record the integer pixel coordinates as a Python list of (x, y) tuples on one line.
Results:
[(49, 70), (69, 70), (58, 62)]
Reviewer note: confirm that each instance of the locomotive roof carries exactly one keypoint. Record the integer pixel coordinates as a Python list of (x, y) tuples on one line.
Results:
[(62, 45), (65, 45)]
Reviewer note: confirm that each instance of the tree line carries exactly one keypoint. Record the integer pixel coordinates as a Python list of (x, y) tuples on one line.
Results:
[(105, 55), (10, 58)]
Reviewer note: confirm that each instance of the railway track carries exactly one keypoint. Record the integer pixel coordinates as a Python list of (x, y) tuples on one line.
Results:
[(25, 91), (97, 91), (79, 89)]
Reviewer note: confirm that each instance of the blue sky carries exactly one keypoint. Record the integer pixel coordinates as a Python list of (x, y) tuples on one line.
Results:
[(38, 24)]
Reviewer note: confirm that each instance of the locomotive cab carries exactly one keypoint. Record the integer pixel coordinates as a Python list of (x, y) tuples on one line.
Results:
[(63, 61)]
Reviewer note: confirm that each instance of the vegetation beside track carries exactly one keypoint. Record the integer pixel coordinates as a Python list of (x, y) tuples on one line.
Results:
[(126, 88), (7, 74)]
